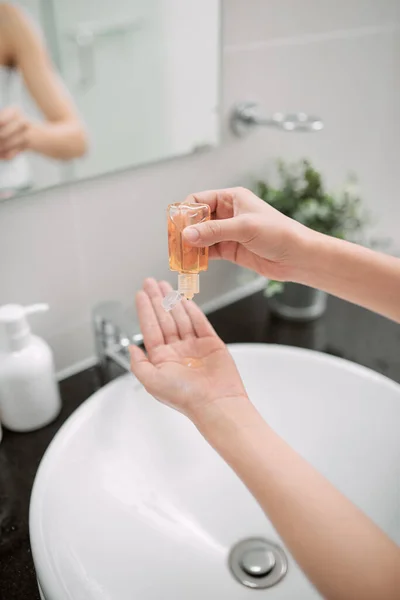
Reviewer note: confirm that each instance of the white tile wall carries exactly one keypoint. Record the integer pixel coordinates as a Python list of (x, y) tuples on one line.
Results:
[(96, 240), (250, 21)]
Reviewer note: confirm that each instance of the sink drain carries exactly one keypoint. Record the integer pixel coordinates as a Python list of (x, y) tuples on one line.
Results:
[(257, 563)]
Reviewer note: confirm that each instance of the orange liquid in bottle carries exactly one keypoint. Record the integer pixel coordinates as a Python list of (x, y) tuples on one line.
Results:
[(182, 256)]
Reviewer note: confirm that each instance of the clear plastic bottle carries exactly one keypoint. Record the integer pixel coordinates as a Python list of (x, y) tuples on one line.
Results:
[(184, 258)]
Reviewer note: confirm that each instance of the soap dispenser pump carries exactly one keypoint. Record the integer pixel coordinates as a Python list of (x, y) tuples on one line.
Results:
[(29, 394)]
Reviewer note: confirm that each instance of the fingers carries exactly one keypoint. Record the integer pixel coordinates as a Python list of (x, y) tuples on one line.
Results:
[(12, 128), (200, 323), (179, 314), (159, 327), (141, 367), (15, 143), (165, 320), (237, 229), (187, 317), (210, 197), (149, 325), (235, 213), (9, 155), (214, 253), (8, 114), (221, 202)]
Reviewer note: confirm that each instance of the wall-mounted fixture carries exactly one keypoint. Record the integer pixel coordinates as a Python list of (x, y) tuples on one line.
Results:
[(246, 116), (86, 34)]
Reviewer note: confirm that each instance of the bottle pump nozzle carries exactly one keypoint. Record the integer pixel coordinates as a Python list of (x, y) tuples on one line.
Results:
[(35, 308), (14, 323)]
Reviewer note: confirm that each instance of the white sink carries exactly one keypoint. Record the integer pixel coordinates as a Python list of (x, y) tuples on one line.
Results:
[(130, 503)]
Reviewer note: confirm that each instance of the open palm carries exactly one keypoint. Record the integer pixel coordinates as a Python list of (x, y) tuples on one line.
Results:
[(187, 365)]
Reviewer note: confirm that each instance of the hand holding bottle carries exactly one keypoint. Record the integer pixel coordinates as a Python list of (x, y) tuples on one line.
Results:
[(248, 231)]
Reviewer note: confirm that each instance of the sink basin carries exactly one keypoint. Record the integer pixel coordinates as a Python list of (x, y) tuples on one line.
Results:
[(130, 502)]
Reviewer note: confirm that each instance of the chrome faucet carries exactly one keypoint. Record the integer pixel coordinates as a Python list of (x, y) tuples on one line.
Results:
[(114, 331)]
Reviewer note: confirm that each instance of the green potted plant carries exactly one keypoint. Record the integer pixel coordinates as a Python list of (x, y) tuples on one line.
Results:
[(302, 196)]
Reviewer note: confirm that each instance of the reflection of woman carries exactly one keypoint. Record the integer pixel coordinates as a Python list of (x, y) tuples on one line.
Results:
[(61, 134)]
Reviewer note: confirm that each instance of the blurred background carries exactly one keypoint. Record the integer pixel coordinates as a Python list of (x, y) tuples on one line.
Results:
[(154, 84)]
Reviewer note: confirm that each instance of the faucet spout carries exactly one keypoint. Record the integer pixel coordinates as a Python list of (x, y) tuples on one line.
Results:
[(115, 329)]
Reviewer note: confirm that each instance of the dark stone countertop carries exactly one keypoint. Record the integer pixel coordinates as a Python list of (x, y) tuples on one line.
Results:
[(345, 330)]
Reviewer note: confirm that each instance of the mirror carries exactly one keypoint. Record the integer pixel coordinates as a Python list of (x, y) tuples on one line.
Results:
[(129, 82)]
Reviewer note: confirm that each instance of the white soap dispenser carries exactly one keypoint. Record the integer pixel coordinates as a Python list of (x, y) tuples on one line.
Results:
[(29, 394)]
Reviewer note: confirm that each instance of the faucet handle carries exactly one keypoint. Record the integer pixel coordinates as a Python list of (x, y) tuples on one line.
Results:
[(112, 318)]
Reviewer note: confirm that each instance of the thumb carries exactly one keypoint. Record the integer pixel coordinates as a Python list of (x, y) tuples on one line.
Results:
[(212, 232)]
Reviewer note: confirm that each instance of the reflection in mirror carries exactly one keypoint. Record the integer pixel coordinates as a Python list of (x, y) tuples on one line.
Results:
[(90, 87), (24, 58)]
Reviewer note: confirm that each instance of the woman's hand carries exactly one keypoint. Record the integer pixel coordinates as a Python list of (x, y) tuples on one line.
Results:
[(13, 132), (188, 366), (249, 232)]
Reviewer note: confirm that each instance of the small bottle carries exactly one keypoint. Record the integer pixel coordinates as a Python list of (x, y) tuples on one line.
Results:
[(29, 394), (184, 258)]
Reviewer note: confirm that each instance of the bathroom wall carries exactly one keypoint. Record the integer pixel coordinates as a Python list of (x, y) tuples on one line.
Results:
[(76, 245)]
